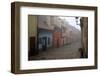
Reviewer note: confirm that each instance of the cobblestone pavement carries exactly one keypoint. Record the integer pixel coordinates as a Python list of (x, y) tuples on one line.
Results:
[(69, 51)]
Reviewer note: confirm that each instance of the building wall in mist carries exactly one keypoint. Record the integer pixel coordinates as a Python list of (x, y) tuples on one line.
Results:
[(84, 28), (32, 34)]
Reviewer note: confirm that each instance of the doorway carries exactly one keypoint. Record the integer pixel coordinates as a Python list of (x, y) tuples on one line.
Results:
[(44, 44)]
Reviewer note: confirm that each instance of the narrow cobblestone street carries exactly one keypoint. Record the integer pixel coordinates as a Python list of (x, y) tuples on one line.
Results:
[(69, 51)]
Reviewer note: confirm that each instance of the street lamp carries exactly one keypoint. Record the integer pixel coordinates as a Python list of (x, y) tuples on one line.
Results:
[(77, 20)]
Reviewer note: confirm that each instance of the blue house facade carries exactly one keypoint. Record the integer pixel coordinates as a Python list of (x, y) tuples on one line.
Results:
[(44, 39)]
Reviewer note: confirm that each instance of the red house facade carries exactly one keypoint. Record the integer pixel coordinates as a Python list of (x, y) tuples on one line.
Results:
[(57, 37)]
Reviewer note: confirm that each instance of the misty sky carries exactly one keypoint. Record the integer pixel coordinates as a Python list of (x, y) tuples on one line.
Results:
[(72, 22)]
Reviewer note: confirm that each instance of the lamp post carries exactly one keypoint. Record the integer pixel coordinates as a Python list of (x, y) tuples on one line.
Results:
[(77, 20)]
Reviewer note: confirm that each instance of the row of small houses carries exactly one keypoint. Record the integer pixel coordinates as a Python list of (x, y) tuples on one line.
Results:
[(51, 38), (51, 33)]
